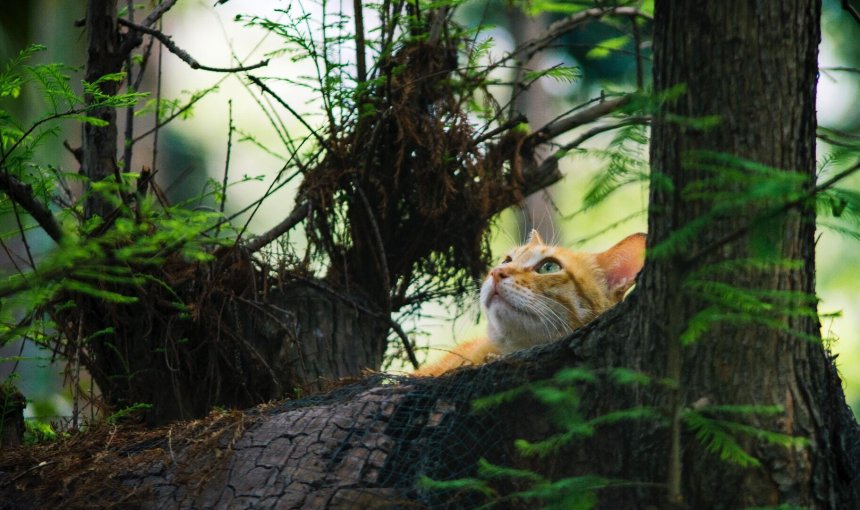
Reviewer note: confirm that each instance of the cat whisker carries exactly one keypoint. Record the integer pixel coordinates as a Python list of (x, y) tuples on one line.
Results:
[(540, 305)]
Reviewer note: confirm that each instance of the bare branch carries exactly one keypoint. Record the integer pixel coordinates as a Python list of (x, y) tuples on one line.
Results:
[(846, 5), (22, 194), (157, 13), (576, 142), (182, 54), (580, 118), (563, 26), (299, 213), (295, 114)]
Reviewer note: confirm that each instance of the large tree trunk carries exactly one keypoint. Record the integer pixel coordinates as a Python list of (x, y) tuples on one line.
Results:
[(737, 62)]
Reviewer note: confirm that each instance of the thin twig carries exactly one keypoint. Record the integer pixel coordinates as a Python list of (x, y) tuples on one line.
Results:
[(576, 142), (129, 112), (580, 118), (157, 13), (141, 71), (158, 77), (23, 235), (841, 68), (563, 26), (76, 373), (513, 122), (295, 114), (182, 54), (172, 117), (846, 5), (229, 148), (381, 258)]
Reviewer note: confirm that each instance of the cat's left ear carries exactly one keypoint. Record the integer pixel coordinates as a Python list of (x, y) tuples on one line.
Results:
[(534, 238), (621, 264)]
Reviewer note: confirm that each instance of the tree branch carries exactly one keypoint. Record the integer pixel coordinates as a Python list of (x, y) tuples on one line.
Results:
[(563, 26), (361, 65), (182, 54), (157, 13), (580, 118), (22, 194), (295, 114), (299, 213), (547, 173)]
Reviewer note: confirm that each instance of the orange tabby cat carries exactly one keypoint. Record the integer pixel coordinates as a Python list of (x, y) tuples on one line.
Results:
[(538, 293)]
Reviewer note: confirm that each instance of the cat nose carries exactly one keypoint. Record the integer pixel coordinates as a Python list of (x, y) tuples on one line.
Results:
[(499, 273)]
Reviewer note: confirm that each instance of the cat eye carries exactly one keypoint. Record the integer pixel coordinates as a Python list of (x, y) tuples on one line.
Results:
[(548, 266), (507, 259)]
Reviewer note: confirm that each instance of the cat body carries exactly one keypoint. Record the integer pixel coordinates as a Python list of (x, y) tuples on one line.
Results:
[(539, 293)]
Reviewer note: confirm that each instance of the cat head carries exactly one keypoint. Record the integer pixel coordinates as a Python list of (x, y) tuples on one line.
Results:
[(540, 292)]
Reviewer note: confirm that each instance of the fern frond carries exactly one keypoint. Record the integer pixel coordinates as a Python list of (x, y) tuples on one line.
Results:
[(716, 439), (489, 471)]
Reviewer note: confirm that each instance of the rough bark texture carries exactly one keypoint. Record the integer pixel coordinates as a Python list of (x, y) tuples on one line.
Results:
[(737, 62), (99, 143)]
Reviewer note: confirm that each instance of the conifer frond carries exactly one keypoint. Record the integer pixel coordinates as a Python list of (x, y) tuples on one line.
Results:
[(460, 484), (489, 471), (567, 74), (626, 164), (719, 435)]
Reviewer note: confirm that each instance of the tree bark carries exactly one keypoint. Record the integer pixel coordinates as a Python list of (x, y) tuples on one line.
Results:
[(736, 62), (99, 143)]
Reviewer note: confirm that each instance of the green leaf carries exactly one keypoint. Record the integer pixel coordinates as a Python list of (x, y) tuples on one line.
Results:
[(461, 484), (95, 121), (605, 48), (567, 74)]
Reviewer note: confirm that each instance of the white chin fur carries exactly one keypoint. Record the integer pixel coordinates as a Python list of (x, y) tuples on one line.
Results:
[(510, 325)]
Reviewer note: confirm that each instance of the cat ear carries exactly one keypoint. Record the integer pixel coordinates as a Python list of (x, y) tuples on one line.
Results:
[(534, 238), (621, 264)]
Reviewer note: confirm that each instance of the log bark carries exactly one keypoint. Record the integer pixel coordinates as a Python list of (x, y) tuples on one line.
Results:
[(366, 445)]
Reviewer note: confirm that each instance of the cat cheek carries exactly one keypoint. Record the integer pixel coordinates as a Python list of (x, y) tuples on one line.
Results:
[(486, 292)]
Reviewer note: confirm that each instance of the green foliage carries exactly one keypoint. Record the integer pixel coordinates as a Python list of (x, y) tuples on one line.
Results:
[(36, 431), (561, 73), (109, 259), (127, 412), (626, 163), (605, 48), (560, 396), (720, 436)]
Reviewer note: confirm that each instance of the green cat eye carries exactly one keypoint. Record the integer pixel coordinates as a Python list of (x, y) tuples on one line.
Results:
[(548, 266)]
